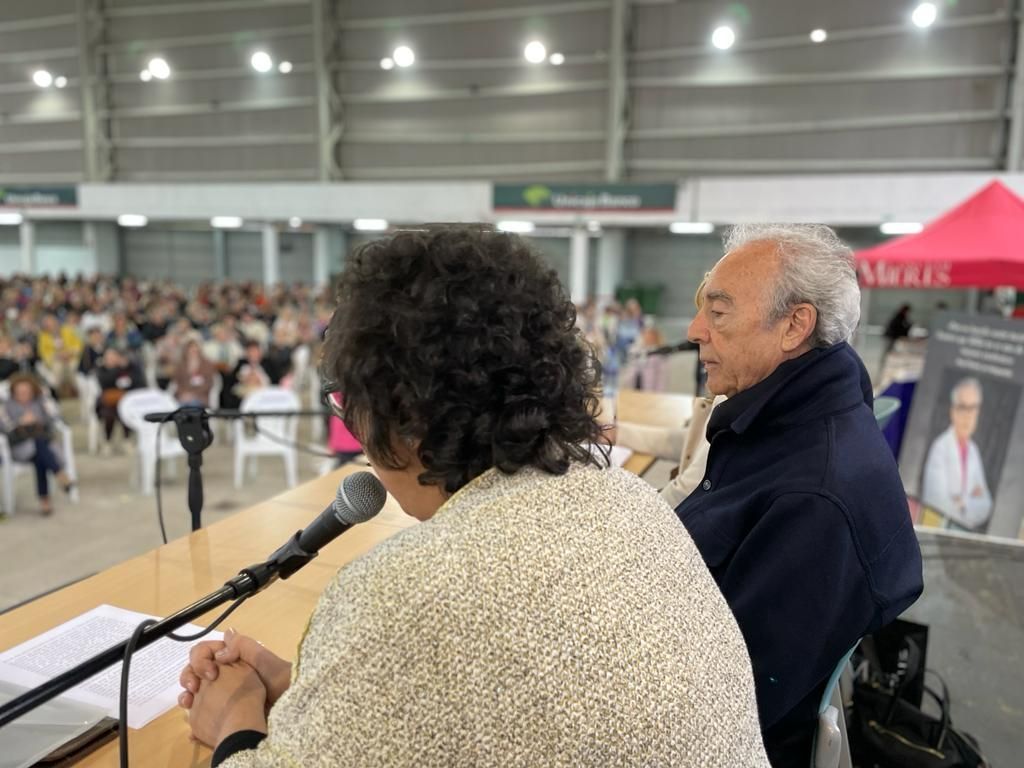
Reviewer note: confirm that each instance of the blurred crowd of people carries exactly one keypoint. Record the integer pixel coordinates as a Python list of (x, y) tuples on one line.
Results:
[(124, 334), (624, 339)]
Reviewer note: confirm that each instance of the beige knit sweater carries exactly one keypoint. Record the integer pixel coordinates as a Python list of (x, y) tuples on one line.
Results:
[(535, 620)]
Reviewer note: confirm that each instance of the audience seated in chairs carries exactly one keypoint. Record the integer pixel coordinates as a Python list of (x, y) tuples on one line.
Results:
[(28, 421), (116, 375)]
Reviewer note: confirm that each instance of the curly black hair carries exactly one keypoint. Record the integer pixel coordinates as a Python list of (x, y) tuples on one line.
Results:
[(460, 339)]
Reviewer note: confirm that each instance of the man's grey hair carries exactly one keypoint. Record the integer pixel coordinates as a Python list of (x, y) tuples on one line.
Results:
[(817, 269), (969, 383)]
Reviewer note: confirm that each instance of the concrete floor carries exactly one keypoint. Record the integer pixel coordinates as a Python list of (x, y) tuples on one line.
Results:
[(112, 521)]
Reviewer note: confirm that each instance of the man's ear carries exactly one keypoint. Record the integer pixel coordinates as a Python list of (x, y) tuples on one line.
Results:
[(799, 325)]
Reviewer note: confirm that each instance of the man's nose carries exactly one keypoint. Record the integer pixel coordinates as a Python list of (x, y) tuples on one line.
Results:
[(697, 331)]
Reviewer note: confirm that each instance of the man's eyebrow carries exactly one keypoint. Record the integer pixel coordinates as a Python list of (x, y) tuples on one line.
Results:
[(718, 295)]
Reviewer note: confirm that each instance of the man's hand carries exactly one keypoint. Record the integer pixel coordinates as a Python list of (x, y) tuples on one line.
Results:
[(205, 659), (235, 701), (978, 492)]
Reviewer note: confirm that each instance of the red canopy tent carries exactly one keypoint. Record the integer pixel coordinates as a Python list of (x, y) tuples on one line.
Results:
[(978, 244)]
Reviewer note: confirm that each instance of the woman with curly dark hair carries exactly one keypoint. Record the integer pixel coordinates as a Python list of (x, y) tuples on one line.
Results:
[(549, 611)]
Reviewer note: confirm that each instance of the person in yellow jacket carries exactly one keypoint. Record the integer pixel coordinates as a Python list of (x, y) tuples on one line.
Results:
[(59, 348)]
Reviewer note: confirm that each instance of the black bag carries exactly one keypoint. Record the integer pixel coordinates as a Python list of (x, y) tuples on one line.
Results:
[(888, 727)]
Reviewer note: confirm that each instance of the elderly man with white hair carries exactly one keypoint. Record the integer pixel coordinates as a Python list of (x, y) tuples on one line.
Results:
[(801, 516)]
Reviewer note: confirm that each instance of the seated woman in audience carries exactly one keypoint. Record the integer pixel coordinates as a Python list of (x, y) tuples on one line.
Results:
[(29, 422), (551, 611), (92, 353), (249, 375), (59, 348), (194, 377), (277, 361), (169, 350), (116, 375), (123, 337)]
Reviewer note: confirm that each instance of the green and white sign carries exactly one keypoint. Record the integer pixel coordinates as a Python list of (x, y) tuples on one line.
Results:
[(615, 198), (38, 197)]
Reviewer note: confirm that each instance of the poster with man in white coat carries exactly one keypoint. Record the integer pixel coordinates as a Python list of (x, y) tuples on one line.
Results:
[(966, 429)]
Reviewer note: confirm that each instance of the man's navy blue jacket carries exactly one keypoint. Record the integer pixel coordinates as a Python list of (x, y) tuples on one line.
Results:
[(803, 522)]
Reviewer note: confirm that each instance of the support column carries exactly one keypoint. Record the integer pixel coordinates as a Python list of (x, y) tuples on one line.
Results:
[(220, 254), (611, 264), (27, 232), (328, 98), (271, 256), (615, 132), (579, 251), (93, 67), (103, 238), (1015, 143), (328, 253)]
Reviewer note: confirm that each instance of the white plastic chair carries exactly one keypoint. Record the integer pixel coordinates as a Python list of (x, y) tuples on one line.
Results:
[(10, 469), (831, 742), (132, 407), (88, 394), (275, 435), (147, 356)]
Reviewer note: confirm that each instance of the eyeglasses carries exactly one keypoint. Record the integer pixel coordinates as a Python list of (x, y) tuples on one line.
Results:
[(967, 407), (330, 394)]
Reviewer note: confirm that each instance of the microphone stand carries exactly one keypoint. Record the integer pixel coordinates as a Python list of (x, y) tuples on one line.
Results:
[(283, 563), (195, 435)]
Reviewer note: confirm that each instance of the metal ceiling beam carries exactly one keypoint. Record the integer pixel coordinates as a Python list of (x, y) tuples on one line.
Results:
[(269, 174), (804, 165), (329, 101), (122, 113), (455, 65), (40, 22), (818, 126), (14, 177), (484, 92), (617, 118), (98, 151), (206, 142), (240, 37), (40, 119), (28, 87), (32, 57), (41, 147), (834, 36), (196, 75), (1015, 127), (456, 137), (531, 170), (823, 78), (206, 6), (469, 17)]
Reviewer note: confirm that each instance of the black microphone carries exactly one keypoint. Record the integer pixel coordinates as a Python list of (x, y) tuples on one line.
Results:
[(683, 346), (360, 497)]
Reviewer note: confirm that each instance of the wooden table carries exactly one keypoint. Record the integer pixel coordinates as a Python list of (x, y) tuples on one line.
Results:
[(172, 576)]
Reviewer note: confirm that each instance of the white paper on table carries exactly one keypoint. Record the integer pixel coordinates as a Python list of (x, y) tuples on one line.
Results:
[(153, 684)]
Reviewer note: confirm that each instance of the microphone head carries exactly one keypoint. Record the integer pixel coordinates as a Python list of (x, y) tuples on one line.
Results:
[(360, 497)]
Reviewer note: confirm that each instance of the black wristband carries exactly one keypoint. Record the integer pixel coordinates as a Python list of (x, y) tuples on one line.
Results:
[(239, 741)]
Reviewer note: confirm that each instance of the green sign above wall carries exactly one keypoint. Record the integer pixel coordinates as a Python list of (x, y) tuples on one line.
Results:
[(38, 197), (617, 198)]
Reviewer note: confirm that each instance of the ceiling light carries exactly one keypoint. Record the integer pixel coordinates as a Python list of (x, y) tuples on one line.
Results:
[(226, 222), (723, 38), (60, 82), (901, 227), (10, 219), (403, 56), (132, 220), (42, 78), (819, 36), (387, 63), (294, 222), (284, 67), (924, 15), (145, 75), (520, 227), (159, 68), (557, 59), (261, 61), (370, 225), (691, 227), (594, 226), (535, 52)]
